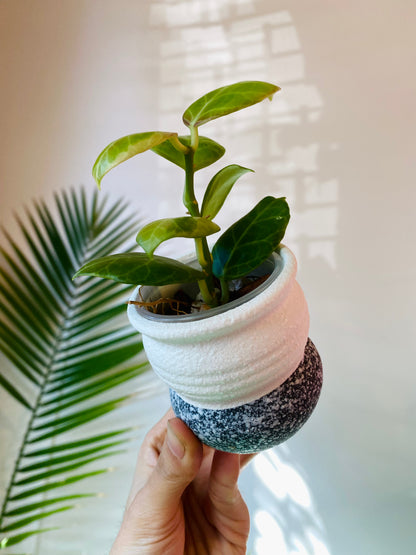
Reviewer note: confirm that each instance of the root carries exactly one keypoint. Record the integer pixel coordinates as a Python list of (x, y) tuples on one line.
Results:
[(164, 305), (181, 306)]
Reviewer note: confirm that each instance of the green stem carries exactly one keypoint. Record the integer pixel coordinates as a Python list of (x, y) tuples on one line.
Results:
[(206, 286), (203, 254), (189, 199), (208, 297), (178, 145), (194, 138), (225, 294)]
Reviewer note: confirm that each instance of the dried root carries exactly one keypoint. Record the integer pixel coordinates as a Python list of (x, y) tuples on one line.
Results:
[(164, 305)]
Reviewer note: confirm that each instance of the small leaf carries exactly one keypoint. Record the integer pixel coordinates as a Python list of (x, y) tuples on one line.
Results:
[(219, 188), (8, 541), (76, 422), (79, 328), (48, 463), (248, 242), (39, 505), (207, 153), (13, 391), (227, 100), (62, 469), (155, 233), (137, 268), (58, 484), (81, 415), (107, 360), (74, 444), (25, 521), (90, 390), (122, 149)]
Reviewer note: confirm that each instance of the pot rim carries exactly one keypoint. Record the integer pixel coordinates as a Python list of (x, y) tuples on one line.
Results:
[(261, 300)]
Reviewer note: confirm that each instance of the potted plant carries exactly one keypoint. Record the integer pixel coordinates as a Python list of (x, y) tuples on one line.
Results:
[(227, 327)]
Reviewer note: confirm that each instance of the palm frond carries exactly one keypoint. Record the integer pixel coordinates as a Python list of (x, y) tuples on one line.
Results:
[(68, 348)]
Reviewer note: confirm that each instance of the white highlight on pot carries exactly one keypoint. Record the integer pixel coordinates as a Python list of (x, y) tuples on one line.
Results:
[(236, 356)]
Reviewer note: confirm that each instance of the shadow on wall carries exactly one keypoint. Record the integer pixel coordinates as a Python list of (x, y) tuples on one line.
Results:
[(210, 44), (285, 519)]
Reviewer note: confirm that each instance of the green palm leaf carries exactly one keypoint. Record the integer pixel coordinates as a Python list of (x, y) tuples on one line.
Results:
[(68, 347)]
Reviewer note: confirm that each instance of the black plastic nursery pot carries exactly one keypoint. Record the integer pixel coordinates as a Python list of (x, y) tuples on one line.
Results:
[(244, 376)]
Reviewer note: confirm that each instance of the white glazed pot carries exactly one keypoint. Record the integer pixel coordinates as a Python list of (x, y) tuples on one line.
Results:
[(220, 364)]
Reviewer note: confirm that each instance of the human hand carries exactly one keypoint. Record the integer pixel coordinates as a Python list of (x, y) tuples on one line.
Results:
[(184, 498)]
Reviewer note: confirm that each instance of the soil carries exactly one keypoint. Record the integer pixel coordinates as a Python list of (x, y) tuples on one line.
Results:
[(181, 303)]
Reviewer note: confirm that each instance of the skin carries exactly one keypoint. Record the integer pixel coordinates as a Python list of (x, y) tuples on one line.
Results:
[(184, 498)]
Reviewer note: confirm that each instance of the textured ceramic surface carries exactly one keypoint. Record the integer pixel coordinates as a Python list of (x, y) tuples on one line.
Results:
[(263, 423), (236, 356)]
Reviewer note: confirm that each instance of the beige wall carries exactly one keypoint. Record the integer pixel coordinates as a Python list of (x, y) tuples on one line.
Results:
[(338, 141)]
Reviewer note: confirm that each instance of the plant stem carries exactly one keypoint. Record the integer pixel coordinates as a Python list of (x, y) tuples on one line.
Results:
[(189, 199), (194, 138), (203, 254), (206, 286), (225, 294), (178, 145)]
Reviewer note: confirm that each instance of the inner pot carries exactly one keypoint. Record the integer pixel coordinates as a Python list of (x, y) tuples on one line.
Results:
[(271, 267)]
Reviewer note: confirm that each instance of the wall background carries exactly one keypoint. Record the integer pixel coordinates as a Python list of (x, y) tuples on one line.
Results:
[(338, 141)]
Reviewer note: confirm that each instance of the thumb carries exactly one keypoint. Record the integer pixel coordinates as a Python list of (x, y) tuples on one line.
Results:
[(178, 464)]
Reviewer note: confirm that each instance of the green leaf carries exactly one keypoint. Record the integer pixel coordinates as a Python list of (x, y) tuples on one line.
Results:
[(155, 233), (219, 188), (30, 277), (59, 484), (77, 395), (107, 359), (74, 444), (79, 417), (122, 149), (207, 153), (8, 541), (62, 469), (64, 335), (28, 520), (137, 268), (91, 346), (69, 457), (79, 328), (14, 392), (247, 243), (227, 100), (35, 506)]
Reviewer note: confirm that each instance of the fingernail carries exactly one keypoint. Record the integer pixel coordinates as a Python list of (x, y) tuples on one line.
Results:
[(174, 443)]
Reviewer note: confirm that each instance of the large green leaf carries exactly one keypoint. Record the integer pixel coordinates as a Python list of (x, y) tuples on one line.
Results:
[(227, 100), (219, 188), (248, 242), (138, 269), (67, 347), (207, 153), (155, 233), (122, 149)]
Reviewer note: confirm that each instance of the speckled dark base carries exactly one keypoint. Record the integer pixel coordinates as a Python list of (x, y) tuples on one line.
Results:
[(263, 423)]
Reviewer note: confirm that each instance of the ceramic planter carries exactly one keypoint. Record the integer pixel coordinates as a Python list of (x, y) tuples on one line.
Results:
[(244, 377)]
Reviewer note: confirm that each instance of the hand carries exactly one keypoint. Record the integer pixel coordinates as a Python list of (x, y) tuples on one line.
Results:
[(184, 498)]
